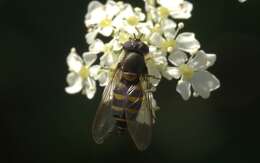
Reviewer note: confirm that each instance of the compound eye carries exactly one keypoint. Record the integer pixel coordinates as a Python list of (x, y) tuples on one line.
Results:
[(144, 48), (127, 45)]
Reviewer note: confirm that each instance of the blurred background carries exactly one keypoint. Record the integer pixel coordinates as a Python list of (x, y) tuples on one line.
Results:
[(41, 123)]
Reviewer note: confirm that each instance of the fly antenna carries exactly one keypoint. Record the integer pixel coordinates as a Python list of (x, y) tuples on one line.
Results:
[(135, 37), (141, 36)]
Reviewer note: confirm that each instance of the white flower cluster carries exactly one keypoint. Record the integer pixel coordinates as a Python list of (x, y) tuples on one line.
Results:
[(173, 54)]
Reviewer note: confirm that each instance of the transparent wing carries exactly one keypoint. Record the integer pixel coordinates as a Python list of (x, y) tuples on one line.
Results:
[(104, 121), (140, 123)]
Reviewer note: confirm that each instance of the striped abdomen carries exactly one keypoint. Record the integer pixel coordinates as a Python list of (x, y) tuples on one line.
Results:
[(127, 97)]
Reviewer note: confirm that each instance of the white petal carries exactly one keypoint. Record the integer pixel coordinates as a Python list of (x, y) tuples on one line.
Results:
[(152, 50), (130, 29), (183, 88), (178, 57), (156, 39), (211, 59), (203, 60), (183, 11), (107, 60), (115, 44), (145, 28), (95, 17), (91, 36), (94, 71), (74, 61), (172, 72), (187, 42), (90, 88), (168, 27), (75, 87), (160, 59), (118, 22), (154, 14), (171, 4), (71, 78), (103, 78), (139, 14), (97, 46), (111, 8), (154, 72), (89, 58), (204, 82), (128, 11), (94, 5), (198, 62), (107, 31)]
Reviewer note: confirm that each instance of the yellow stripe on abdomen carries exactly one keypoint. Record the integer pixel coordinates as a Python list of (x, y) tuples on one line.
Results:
[(120, 97)]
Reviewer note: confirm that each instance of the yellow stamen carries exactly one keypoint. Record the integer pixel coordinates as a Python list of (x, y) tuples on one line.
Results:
[(105, 23), (84, 72), (186, 71), (151, 2), (123, 37), (130, 98), (168, 45), (133, 20), (156, 28), (163, 12)]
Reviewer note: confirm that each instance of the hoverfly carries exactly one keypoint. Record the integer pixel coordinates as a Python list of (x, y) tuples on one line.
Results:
[(126, 101)]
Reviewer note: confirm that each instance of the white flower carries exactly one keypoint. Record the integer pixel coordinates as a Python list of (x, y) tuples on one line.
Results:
[(185, 41), (156, 62), (151, 10), (157, 66), (128, 19), (80, 77), (99, 18), (166, 27), (111, 55), (109, 51), (103, 74), (108, 63), (108, 66), (119, 22), (193, 73), (177, 9)]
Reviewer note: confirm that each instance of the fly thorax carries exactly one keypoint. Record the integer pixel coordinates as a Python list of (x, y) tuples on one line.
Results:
[(134, 63)]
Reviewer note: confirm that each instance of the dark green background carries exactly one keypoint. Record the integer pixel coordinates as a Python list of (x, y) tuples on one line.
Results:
[(41, 123)]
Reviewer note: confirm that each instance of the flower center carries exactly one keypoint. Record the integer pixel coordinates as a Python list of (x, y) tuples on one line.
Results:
[(156, 28), (123, 37), (133, 20), (186, 71), (84, 72), (150, 2), (168, 45), (105, 23), (163, 12)]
